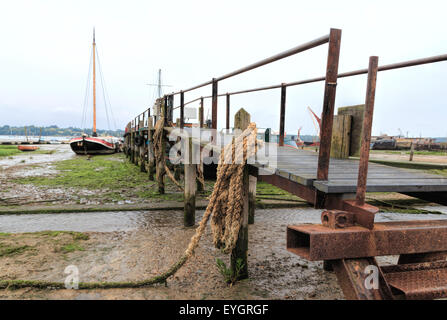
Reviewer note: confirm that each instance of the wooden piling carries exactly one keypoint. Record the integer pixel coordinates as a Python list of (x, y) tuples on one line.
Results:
[(190, 186), (240, 252), (252, 179), (150, 149), (228, 113), (411, 151), (282, 115), (160, 168), (239, 255)]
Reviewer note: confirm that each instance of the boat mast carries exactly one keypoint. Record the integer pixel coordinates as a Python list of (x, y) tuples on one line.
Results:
[(94, 85)]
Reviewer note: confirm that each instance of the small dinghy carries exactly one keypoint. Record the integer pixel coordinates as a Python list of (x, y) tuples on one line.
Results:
[(27, 148)]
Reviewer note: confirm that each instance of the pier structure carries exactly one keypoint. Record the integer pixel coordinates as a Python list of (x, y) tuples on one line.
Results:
[(348, 238)]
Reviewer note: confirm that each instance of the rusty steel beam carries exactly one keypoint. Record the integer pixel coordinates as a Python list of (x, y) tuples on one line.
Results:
[(327, 116), (182, 109), (317, 242), (351, 277), (214, 105), (289, 186), (366, 132), (282, 116)]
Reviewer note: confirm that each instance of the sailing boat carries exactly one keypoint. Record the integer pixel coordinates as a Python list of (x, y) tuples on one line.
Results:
[(86, 144)]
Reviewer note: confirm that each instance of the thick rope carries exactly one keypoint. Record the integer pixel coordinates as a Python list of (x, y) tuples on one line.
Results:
[(225, 206), (159, 156)]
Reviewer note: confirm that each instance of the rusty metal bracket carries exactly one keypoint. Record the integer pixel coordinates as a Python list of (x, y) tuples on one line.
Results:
[(317, 242)]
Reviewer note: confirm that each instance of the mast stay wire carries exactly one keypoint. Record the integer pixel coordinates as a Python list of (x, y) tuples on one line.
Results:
[(106, 96), (86, 95)]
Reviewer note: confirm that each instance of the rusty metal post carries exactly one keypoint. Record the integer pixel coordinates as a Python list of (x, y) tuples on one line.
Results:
[(214, 105), (182, 109), (328, 104), (201, 120), (164, 110), (282, 115), (367, 126), (228, 113)]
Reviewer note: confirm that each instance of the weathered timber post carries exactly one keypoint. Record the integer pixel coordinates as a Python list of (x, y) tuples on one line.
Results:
[(177, 168), (282, 115), (150, 148), (200, 186), (240, 252), (228, 113), (160, 168), (143, 139), (132, 140), (201, 121), (137, 137), (367, 126), (341, 134), (328, 111), (214, 105), (182, 109), (253, 179), (190, 185), (411, 151)]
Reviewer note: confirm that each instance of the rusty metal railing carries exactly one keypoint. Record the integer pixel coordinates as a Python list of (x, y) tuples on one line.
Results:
[(331, 77)]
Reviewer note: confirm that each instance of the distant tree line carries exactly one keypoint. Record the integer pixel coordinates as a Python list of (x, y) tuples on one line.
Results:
[(55, 131)]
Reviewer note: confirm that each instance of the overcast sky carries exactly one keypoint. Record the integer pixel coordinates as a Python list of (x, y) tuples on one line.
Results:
[(45, 51)]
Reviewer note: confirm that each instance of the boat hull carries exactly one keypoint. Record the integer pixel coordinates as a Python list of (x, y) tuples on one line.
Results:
[(92, 145), (27, 148)]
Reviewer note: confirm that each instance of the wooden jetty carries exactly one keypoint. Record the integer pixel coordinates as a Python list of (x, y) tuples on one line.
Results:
[(348, 238)]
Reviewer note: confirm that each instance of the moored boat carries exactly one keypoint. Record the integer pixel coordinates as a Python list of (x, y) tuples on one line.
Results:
[(93, 144), (27, 148)]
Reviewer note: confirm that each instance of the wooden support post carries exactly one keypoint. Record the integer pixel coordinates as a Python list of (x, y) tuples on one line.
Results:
[(142, 147), (282, 115), (132, 141), (137, 136), (240, 252), (252, 180), (214, 105), (182, 109), (411, 151), (190, 186), (201, 120), (200, 186), (228, 113), (150, 149), (160, 168), (328, 104), (367, 127)]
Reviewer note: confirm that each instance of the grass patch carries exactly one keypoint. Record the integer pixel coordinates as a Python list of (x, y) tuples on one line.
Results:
[(407, 152), (117, 180), (270, 192), (439, 171), (71, 247), (74, 234), (11, 250), (6, 151)]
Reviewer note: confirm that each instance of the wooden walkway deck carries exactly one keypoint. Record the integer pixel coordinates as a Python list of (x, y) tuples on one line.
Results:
[(300, 166)]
